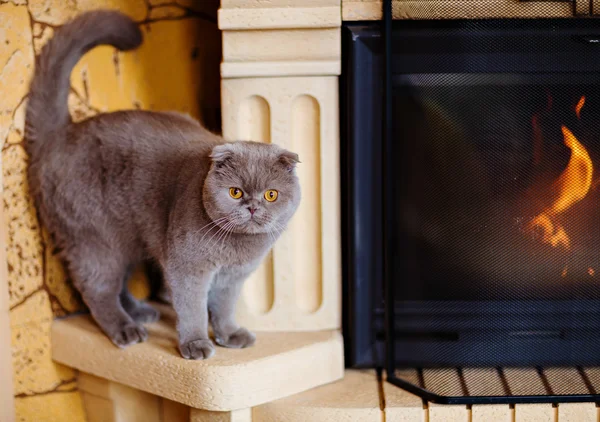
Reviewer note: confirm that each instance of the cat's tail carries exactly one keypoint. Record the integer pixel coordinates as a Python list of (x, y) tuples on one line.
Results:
[(47, 110)]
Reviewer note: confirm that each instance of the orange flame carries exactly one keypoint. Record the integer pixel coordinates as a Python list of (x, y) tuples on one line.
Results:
[(574, 183), (571, 187), (579, 106)]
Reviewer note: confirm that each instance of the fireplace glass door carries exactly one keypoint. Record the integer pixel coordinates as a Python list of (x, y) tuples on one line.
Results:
[(496, 207), (494, 223), (490, 197)]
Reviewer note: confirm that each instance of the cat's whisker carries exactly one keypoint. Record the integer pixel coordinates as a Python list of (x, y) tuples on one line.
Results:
[(212, 225), (278, 228), (221, 228), (213, 222), (218, 220), (209, 231), (228, 235), (229, 232), (226, 229), (208, 227), (276, 236), (274, 232)]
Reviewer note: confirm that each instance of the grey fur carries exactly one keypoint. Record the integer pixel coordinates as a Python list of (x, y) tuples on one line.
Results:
[(127, 186)]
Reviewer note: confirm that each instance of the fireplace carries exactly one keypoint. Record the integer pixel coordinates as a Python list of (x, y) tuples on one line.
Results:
[(473, 228)]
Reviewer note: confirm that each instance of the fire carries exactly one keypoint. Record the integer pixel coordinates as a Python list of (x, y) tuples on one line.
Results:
[(571, 187), (579, 106), (551, 235), (575, 182)]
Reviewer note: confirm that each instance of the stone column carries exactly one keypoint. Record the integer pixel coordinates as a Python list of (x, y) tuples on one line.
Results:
[(281, 61)]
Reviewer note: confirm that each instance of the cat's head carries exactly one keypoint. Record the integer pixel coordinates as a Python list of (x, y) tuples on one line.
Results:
[(251, 187)]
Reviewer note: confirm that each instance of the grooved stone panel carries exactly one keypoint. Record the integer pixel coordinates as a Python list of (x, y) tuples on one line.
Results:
[(298, 285)]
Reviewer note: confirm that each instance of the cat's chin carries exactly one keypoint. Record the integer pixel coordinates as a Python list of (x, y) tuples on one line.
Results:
[(252, 227)]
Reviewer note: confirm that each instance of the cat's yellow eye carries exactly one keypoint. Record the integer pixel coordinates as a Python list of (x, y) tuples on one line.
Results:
[(271, 195), (235, 193)]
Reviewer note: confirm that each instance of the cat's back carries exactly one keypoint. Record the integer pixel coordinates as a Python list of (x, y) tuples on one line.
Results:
[(143, 131), (111, 160), (112, 145)]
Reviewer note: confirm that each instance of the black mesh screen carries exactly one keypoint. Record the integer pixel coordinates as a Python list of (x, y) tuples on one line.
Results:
[(508, 9), (493, 193), (497, 197)]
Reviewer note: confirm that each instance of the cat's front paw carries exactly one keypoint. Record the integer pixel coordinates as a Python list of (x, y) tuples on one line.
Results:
[(238, 340), (129, 334), (197, 349)]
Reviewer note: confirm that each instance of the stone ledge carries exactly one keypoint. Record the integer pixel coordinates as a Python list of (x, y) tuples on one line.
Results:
[(289, 68), (279, 365), (280, 18), (355, 398)]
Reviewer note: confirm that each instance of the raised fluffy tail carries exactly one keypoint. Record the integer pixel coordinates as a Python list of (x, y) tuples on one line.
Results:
[(47, 110)]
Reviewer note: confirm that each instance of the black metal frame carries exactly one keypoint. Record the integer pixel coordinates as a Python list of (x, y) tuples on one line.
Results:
[(390, 366), (363, 310)]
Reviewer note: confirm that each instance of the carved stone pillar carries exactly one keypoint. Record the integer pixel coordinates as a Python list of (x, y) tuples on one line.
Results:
[(281, 61)]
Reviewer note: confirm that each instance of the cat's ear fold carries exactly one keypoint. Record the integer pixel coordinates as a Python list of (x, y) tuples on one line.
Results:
[(221, 154), (289, 160)]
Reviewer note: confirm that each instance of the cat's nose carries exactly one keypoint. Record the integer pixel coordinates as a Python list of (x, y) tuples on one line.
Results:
[(252, 210)]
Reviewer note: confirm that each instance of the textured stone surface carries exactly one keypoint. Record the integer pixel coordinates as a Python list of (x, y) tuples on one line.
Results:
[(108, 80), (16, 59), (355, 398), (57, 12), (206, 8), (63, 406), (279, 365), (24, 250), (65, 299), (34, 371), (166, 12), (177, 68)]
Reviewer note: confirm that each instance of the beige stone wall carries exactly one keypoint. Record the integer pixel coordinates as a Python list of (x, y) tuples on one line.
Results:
[(176, 68)]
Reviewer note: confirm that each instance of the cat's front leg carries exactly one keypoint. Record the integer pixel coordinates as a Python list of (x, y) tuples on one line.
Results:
[(189, 294), (222, 299)]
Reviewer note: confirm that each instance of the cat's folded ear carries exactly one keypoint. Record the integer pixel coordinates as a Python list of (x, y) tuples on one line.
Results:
[(289, 160), (221, 155)]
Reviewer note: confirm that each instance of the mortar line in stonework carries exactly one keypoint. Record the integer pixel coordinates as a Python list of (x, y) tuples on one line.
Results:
[(8, 145), (189, 12), (55, 389), (381, 393), (85, 101), (26, 297), (176, 18), (148, 8)]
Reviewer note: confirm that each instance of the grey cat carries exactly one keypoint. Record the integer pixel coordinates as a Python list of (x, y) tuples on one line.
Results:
[(127, 186)]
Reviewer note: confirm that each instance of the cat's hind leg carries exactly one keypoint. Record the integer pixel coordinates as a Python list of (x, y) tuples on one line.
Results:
[(139, 311), (98, 274), (159, 291)]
